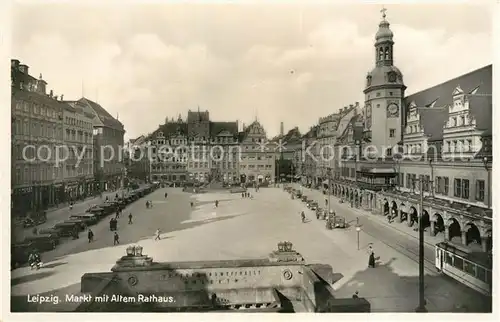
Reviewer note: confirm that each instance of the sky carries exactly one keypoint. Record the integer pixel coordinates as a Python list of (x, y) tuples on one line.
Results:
[(275, 63)]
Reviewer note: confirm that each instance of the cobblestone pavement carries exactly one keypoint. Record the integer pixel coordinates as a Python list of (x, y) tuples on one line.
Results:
[(251, 228)]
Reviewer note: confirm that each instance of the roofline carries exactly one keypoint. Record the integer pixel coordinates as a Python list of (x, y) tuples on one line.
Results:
[(449, 80)]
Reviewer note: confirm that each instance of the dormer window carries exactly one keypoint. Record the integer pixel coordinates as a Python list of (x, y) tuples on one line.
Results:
[(462, 120), (454, 121)]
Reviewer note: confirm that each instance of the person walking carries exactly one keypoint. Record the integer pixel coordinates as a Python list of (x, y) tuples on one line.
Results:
[(116, 238), (157, 234), (216, 203), (371, 257), (90, 236), (130, 219)]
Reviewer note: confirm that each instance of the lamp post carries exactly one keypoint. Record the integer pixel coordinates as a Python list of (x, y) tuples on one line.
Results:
[(329, 172), (421, 305), (358, 229), (485, 162)]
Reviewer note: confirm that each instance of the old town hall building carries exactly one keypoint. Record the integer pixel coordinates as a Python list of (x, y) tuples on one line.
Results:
[(438, 140)]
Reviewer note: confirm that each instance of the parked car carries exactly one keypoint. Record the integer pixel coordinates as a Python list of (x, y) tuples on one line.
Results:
[(88, 219), (304, 198), (43, 242), (313, 205), (67, 229), (80, 223)]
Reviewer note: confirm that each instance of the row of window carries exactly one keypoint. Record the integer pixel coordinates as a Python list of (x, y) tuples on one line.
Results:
[(29, 175), (459, 146), (458, 121), (78, 136), (37, 109), (76, 122), (468, 267), (49, 153), (37, 128), (461, 187), (253, 166)]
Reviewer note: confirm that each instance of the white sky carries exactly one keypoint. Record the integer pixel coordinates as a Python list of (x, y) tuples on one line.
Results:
[(290, 63)]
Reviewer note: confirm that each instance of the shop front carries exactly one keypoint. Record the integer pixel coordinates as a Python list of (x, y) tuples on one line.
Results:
[(21, 201)]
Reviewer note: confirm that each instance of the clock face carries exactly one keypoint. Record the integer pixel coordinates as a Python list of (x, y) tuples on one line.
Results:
[(393, 109), (392, 77)]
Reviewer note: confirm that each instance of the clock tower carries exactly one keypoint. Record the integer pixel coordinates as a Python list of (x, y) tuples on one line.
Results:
[(384, 92)]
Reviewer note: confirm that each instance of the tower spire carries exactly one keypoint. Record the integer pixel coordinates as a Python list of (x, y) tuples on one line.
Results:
[(383, 11)]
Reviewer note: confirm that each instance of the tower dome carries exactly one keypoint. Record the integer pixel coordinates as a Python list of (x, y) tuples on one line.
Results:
[(384, 33)]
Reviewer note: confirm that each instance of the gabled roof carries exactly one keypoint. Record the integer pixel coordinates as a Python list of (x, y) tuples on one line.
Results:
[(442, 94), (171, 129), (103, 115), (476, 86), (432, 119), (217, 127)]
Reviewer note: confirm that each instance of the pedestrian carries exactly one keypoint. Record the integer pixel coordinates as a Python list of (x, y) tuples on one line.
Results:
[(71, 205), (117, 214), (116, 238), (371, 258), (75, 233), (242, 195), (90, 236), (130, 219), (216, 203), (191, 204), (158, 234), (355, 295)]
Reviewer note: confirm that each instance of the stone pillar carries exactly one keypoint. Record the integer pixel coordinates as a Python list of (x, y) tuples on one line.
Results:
[(484, 243), (446, 232), (431, 229), (464, 237), (400, 216), (408, 220)]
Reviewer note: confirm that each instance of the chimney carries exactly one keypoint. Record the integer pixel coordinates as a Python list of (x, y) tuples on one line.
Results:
[(351, 106), (282, 128), (55, 97), (14, 63), (357, 104), (341, 110), (51, 93), (24, 68), (345, 108), (62, 96), (244, 127)]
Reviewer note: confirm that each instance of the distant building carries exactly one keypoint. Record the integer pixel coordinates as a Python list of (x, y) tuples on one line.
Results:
[(78, 169), (109, 170), (37, 125), (169, 152), (137, 160), (257, 159)]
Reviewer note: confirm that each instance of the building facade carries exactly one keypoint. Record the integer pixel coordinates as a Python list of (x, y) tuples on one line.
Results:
[(108, 146), (138, 159), (257, 159), (437, 141), (78, 168), (37, 131), (169, 152)]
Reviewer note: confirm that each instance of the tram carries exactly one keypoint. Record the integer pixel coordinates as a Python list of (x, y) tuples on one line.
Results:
[(471, 269)]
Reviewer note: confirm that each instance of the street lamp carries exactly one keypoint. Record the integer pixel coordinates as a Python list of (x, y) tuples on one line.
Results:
[(421, 306), (358, 229)]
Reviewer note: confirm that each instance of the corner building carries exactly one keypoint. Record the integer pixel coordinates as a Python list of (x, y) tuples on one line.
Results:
[(442, 135)]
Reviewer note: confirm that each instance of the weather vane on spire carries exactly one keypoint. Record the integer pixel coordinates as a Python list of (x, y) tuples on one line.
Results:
[(383, 10)]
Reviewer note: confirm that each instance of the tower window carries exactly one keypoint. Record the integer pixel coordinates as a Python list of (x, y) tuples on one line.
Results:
[(378, 105), (378, 94), (386, 52), (392, 133), (390, 93), (381, 54)]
